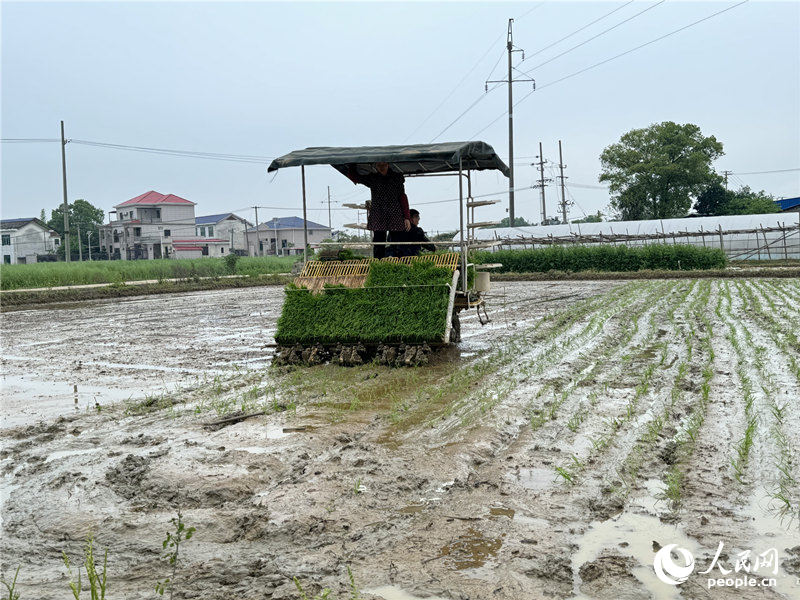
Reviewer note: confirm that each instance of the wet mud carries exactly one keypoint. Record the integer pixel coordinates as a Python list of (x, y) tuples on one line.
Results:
[(552, 454)]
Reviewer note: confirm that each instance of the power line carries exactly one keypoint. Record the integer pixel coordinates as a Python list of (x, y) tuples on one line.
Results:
[(525, 14), (596, 36), (28, 140), (578, 30), (185, 153), (644, 45), (453, 91), (608, 60), (767, 172), (469, 108)]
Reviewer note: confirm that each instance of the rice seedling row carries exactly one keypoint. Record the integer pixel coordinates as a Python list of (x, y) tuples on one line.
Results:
[(779, 416), (653, 304)]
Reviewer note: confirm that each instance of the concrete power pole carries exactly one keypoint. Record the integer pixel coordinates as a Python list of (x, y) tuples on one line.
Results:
[(80, 247), (510, 81), (329, 210), (66, 204), (561, 166), (258, 235), (542, 183), (726, 173)]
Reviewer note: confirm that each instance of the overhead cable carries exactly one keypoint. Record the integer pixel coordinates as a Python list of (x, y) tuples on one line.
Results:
[(608, 60)]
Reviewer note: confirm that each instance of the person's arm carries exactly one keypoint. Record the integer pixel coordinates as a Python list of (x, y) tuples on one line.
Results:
[(352, 174), (424, 238), (406, 213)]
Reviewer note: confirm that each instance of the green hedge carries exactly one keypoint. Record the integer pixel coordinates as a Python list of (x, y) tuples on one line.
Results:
[(572, 259), (399, 303)]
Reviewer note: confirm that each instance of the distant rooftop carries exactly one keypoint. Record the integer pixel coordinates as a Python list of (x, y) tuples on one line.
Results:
[(287, 223), (21, 222), (153, 197), (211, 219), (788, 203)]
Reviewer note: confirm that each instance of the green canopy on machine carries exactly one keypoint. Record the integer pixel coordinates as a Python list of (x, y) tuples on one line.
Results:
[(415, 159)]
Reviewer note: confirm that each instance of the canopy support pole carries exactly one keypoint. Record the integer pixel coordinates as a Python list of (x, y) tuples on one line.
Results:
[(461, 220), (305, 219)]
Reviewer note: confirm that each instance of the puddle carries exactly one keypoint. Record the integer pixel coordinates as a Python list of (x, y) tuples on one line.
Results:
[(27, 400), (499, 511), (533, 478), (471, 550), (391, 592), (633, 534), (411, 509)]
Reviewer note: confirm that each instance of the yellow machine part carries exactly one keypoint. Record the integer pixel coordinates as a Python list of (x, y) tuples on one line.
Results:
[(317, 274)]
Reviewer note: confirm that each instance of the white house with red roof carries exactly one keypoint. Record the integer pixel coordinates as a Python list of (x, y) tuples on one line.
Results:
[(156, 225)]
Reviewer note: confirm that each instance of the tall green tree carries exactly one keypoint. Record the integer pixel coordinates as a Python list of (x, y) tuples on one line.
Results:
[(653, 173), (712, 200), (82, 216), (745, 201), (716, 200)]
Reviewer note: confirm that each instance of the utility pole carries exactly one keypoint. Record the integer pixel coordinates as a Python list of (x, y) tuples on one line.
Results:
[(561, 166), (66, 204), (510, 81), (89, 243), (258, 235), (726, 173), (329, 209), (542, 182), (80, 247)]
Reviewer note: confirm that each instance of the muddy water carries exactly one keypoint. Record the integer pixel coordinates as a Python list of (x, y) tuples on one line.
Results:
[(129, 349), (531, 462)]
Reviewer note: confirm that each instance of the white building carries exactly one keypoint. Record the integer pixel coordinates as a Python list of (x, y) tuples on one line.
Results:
[(228, 227), (283, 236), (148, 226), (25, 239)]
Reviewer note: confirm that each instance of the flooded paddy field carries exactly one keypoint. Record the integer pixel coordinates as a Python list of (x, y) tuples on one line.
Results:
[(555, 453)]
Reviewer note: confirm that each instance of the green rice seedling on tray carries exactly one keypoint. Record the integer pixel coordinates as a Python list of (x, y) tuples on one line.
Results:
[(398, 303)]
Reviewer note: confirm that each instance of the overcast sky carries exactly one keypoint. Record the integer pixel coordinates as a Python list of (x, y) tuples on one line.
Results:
[(261, 79)]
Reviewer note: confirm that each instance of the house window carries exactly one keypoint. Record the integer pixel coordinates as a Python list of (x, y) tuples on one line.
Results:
[(7, 259), (222, 250), (6, 239), (57, 242), (201, 232), (158, 213), (137, 232), (210, 231), (167, 232), (116, 237)]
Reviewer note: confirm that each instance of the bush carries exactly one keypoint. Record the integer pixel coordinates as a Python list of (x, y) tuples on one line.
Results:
[(573, 259)]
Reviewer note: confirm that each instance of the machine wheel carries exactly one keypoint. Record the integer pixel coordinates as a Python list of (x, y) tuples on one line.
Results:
[(455, 329)]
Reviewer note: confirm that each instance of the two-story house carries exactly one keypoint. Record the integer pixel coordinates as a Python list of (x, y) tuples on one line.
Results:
[(26, 239), (226, 226), (148, 226)]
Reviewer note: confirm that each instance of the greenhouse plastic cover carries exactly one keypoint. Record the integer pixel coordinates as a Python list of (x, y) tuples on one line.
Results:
[(711, 225)]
